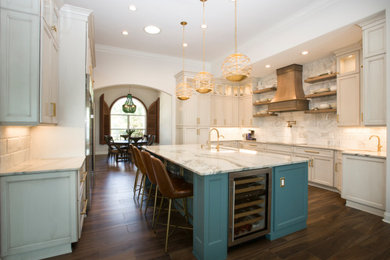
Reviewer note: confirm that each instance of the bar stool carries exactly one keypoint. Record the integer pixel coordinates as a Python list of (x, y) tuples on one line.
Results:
[(137, 187), (140, 164), (171, 189), (147, 159)]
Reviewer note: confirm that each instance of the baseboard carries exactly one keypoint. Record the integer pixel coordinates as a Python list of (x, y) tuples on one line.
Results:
[(365, 208), (386, 217), (323, 187), (42, 253)]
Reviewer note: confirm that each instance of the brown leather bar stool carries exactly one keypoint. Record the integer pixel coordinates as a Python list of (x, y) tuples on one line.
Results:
[(147, 159), (171, 188), (141, 166), (137, 187)]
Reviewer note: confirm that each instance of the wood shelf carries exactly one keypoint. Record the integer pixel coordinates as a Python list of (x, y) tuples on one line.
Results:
[(261, 103), (317, 111), (323, 94), (265, 115), (264, 90), (316, 79)]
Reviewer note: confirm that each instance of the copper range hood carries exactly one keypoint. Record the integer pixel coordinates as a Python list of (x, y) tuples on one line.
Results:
[(289, 95)]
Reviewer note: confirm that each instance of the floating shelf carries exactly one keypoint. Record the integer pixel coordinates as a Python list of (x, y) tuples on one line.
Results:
[(264, 90), (261, 103), (317, 111), (323, 94), (321, 78), (265, 115)]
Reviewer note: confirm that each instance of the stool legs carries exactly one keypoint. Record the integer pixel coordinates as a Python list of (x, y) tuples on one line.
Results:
[(135, 181), (185, 209), (140, 188), (147, 201), (169, 218), (155, 203), (143, 191)]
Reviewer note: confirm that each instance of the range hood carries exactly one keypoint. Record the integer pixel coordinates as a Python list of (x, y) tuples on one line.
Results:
[(289, 96)]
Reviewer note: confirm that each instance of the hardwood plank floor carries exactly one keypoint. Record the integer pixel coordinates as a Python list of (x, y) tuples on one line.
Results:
[(115, 228)]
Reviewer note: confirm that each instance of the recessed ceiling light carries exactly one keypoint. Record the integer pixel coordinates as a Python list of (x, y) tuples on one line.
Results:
[(151, 29), (132, 7), (268, 66), (305, 52), (125, 32), (185, 44), (350, 56), (203, 26)]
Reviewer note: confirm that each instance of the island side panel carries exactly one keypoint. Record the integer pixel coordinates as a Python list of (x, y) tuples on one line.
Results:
[(210, 208), (289, 199)]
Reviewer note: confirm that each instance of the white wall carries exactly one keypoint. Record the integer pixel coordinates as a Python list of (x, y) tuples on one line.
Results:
[(146, 95), (117, 66)]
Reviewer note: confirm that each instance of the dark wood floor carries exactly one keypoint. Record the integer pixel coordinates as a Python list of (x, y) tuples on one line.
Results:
[(115, 228)]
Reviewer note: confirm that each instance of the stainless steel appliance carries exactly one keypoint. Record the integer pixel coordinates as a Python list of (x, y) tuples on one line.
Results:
[(89, 138), (249, 205)]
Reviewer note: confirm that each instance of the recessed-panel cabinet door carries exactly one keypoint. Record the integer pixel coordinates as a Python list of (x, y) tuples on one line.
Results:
[(374, 93), (27, 6), (189, 108), (322, 171), (374, 40), (46, 47), (203, 118), (228, 111), (54, 82), (348, 100), (19, 57), (190, 135)]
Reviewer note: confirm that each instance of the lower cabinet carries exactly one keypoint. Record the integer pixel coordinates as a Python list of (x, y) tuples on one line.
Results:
[(289, 199), (40, 214), (364, 180)]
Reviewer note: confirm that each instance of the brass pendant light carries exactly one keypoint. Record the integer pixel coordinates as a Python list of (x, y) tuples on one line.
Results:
[(183, 89), (237, 66), (204, 81)]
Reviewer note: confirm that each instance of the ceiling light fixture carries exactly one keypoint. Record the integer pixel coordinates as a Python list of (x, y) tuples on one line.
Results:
[(185, 44), (268, 66), (305, 52), (132, 7), (183, 89), (152, 29), (125, 32), (129, 106), (237, 66), (203, 26), (204, 81)]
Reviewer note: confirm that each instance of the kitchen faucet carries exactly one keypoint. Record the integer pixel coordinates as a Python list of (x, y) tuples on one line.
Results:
[(218, 136), (379, 142)]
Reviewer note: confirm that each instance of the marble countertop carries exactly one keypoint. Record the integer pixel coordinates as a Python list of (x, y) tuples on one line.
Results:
[(336, 148), (45, 165), (208, 162)]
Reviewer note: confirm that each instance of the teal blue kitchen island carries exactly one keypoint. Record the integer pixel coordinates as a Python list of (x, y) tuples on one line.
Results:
[(211, 173)]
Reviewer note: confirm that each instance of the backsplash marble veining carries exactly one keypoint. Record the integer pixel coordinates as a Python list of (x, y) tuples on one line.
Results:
[(316, 129), (14, 146)]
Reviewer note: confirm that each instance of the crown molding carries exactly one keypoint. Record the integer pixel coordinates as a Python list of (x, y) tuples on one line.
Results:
[(75, 12)]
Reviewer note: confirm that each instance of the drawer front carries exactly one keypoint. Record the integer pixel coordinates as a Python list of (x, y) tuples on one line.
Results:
[(314, 151), (278, 148), (252, 146)]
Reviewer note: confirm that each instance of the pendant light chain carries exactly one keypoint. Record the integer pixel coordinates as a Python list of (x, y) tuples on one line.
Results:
[(183, 89), (235, 26), (204, 39)]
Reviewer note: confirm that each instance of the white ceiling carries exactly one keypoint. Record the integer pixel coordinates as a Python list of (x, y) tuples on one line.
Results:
[(255, 16)]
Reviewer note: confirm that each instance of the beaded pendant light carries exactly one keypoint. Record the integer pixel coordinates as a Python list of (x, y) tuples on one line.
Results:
[(129, 106), (204, 81), (237, 66), (183, 89)]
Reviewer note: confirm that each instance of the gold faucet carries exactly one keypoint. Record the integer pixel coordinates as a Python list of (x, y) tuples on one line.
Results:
[(218, 136), (379, 142)]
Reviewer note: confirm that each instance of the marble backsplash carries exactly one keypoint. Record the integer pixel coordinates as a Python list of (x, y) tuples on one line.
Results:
[(14, 146)]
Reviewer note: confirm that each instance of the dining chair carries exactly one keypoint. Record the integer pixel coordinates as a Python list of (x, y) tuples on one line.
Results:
[(172, 189), (151, 140)]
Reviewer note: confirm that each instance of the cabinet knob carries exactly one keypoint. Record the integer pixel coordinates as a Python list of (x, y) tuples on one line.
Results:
[(54, 28)]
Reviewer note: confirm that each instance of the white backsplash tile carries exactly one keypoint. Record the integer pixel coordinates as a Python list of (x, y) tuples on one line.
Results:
[(14, 146)]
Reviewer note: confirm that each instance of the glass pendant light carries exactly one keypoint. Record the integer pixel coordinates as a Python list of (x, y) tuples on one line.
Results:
[(204, 81), (129, 106), (183, 89), (237, 66)]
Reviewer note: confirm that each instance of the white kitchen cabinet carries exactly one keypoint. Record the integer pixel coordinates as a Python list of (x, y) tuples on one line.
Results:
[(50, 17), (310, 167), (338, 171), (348, 100), (190, 135), (19, 53), (218, 113), (39, 214), (374, 37), (374, 91), (253, 146), (203, 110), (25, 6), (245, 111), (189, 108), (364, 180), (279, 149)]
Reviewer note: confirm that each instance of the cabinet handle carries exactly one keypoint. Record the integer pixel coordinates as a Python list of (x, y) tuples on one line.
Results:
[(362, 116), (224, 121), (53, 28), (198, 131), (312, 162), (84, 177), (307, 151), (54, 109), (338, 121), (282, 182), (84, 212), (198, 120)]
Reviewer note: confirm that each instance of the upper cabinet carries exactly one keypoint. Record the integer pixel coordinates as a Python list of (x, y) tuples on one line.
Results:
[(374, 72), (19, 57), (29, 62)]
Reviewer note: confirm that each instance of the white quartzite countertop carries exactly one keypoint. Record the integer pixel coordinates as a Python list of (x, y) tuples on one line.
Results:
[(208, 162), (45, 165)]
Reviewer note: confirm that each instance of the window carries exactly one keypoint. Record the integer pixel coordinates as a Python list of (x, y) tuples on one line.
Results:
[(121, 121)]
